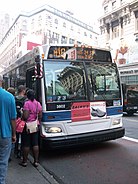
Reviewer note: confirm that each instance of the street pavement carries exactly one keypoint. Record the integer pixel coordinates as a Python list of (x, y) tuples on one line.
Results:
[(27, 175)]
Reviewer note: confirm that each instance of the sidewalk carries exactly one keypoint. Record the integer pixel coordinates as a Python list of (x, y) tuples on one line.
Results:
[(27, 175)]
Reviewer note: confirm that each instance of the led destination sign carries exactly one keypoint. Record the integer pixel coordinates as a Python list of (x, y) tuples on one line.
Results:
[(85, 53), (79, 53)]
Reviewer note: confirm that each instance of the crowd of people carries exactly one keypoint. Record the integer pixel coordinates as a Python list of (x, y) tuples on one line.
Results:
[(14, 105)]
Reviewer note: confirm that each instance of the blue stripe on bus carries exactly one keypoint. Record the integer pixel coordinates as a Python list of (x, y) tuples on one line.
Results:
[(66, 115), (56, 116), (114, 110)]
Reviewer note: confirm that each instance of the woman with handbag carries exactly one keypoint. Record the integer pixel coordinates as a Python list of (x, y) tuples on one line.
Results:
[(32, 114)]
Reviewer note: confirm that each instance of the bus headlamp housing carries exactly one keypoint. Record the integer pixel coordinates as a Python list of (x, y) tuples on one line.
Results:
[(53, 130), (116, 121)]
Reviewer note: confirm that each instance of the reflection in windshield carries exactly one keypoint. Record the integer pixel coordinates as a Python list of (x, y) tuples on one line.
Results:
[(64, 81), (103, 81), (68, 81)]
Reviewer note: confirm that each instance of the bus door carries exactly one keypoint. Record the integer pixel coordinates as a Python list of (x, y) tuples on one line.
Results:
[(33, 83)]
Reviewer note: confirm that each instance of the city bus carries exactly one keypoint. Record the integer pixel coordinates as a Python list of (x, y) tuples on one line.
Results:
[(80, 92)]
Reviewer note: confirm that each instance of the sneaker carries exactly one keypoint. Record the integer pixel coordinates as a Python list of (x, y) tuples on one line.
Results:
[(97, 112), (23, 164)]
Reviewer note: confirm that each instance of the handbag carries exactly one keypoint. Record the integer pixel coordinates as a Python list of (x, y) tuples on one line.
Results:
[(20, 125), (32, 127)]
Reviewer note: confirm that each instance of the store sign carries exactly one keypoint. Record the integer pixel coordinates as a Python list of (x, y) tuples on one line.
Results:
[(132, 71)]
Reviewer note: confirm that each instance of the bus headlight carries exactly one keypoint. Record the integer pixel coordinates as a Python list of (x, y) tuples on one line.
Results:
[(116, 121), (53, 129)]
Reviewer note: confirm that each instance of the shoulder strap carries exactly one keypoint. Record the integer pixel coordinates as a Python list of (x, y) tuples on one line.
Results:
[(37, 110)]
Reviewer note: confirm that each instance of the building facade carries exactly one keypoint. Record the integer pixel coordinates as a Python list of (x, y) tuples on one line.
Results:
[(4, 25), (129, 74), (119, 30), (43, 26)]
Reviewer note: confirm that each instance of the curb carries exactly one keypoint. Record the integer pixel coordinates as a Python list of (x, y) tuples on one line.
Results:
[(48, 177)]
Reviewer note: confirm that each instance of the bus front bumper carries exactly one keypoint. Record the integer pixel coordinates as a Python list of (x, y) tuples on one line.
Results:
[(82, 139)]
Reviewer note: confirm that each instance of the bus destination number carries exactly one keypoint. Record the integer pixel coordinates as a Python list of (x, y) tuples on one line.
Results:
[(59, 52)]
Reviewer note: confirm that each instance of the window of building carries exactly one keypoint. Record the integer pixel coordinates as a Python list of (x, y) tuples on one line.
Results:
[(32, 24), (49, 33), (24, 26), (63, 40), (56, 35), (85, 34), (64, 24), (71, 41), (136, 21), (115, 32), (136, 24), (78, 31), (49, 20), (105, 9), (124, 10), (56, 21), (49, 17), (39, 32), (23, 35), (54, 38), (39, 20), (128, 20), (71, 28), (122, 27), (122, 1), (113, 4)]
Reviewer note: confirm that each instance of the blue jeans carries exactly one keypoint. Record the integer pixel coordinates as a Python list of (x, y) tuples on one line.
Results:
[(5, 150)]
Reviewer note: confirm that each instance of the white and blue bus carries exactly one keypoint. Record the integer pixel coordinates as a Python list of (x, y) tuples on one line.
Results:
[(79, 89)]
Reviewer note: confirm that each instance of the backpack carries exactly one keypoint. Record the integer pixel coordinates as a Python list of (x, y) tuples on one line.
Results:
[(19, 105)]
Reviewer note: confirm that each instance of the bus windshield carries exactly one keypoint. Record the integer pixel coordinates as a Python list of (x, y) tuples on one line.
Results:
[(103, 81), (70, 81), (65, 81)]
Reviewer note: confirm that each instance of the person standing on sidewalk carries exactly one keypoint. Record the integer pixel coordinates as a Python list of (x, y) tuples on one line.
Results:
[(19, 99), (12, 91), (7, 129), (31, 110)]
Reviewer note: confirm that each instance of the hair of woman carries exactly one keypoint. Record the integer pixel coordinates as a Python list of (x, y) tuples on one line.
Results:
[(31, 94)]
